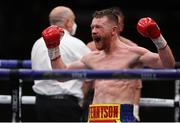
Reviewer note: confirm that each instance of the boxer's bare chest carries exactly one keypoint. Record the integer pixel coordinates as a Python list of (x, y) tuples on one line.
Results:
[(118, 60)]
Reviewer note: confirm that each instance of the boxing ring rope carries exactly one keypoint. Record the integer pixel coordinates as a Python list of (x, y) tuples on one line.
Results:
[(143, 74), (144, 102), (17, 76), (5, 63)]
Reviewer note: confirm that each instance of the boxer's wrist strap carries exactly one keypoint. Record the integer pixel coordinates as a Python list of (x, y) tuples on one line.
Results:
[(53, 53), (160, 42)]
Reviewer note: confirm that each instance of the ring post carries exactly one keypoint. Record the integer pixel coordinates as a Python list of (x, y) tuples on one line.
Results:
[(15, 97), (177, 101)]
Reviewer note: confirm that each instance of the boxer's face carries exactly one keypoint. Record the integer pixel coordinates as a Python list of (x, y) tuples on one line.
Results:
[(101, 32)]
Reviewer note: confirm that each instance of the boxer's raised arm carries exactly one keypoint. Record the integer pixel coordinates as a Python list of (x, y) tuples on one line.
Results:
[(147, 27), (52, 37)]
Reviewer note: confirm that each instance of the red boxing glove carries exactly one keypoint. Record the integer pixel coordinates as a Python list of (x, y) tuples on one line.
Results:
[(148, 28), (52, 36)]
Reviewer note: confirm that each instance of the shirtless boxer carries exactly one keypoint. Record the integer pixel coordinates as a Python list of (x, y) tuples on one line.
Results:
[(113, 99), (117, 11)]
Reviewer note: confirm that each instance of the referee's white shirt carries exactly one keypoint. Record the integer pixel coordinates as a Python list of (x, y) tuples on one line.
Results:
[(71, 49)]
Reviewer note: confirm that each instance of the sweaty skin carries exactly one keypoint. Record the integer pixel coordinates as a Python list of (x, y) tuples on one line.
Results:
[(114, 54)]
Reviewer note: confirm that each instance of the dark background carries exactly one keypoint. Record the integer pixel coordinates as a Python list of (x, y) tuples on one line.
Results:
[(22, 21)]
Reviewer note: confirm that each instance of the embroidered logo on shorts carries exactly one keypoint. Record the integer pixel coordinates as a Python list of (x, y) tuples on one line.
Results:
[(104, 113)]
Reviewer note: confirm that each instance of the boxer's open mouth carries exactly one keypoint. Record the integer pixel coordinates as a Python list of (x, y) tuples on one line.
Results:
[(97, 39)]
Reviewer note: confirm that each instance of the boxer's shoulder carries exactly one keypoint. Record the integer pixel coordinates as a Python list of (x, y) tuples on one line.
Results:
[(91, 56)]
